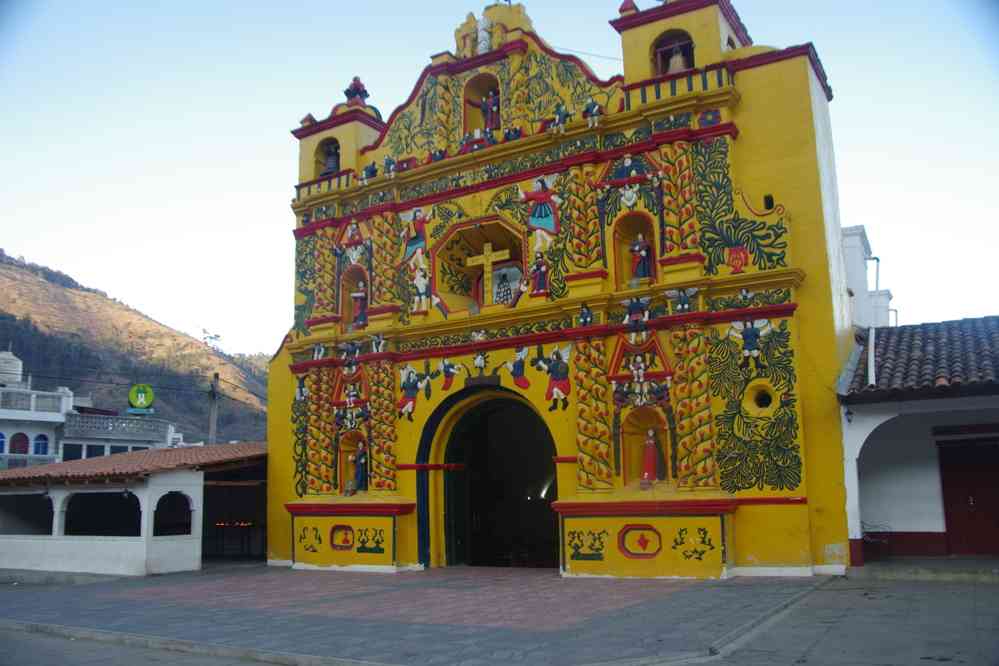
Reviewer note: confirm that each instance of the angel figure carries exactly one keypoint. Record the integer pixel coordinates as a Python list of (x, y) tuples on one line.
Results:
[(557, 369), (543, 219), (410, 384), (517, 367), (749, 334), (450, 370), (681, 299)]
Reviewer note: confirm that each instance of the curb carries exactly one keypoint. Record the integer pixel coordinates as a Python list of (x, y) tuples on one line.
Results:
[(718, 647), (187, 647)]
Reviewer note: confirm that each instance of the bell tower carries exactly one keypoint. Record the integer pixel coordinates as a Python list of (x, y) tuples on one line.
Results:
[(677, 36), (329, 148)]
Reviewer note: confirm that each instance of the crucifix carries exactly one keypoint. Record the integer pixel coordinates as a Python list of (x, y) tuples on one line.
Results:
[(486, 260)]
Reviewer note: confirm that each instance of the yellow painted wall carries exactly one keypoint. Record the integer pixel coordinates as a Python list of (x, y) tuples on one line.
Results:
[(791, 516)]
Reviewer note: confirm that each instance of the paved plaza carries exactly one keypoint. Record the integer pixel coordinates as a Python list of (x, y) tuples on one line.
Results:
[(503, 616)]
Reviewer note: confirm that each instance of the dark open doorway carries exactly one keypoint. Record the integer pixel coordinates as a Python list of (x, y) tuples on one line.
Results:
[(235, 522), (498, 510)]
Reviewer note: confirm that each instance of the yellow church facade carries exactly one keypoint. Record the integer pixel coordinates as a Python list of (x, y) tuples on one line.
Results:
[(544, 319)]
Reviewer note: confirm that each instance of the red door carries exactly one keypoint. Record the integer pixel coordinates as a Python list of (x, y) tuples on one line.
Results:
[(970, 476)]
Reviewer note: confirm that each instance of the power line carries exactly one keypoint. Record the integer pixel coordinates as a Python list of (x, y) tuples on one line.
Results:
[(591, 55)]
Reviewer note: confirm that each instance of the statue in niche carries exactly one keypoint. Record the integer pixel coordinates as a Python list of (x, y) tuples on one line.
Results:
[(543, 219), (504, 292), (653, 461), (539, 274), (641, 258), (354, 232), (331, 159), (360, 298), (677, 63), (491, 111), (360, 460)]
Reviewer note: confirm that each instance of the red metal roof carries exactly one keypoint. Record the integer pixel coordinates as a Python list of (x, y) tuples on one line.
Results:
[(138, 463)]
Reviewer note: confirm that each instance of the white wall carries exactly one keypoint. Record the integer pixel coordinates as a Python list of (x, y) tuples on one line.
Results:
[(899, 469), (121, 556), (173, 553), (900, 479)]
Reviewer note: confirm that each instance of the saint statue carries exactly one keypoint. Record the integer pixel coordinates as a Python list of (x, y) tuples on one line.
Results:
[(360, 298), (539, 274), (641, 258), (504, 292), (416, 239), (360, 460), (650, 460)]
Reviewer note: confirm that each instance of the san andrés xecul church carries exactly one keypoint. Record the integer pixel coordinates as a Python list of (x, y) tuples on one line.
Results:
[(543, 319)]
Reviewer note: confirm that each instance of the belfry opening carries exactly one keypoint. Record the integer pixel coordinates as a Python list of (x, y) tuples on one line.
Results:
[(499, 488)]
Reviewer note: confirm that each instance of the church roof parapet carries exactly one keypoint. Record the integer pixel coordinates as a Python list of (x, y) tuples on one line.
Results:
[(632, 20)]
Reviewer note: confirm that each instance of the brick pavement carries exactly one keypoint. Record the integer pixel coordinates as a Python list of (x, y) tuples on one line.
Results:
[(442, 616)]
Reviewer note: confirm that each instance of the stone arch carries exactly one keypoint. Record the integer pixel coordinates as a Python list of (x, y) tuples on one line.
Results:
[(433, 445)]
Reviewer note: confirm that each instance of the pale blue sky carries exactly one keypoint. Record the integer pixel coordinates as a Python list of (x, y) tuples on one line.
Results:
[(145, 149)]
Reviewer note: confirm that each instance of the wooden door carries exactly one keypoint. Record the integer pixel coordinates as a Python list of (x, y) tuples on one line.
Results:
[(970, 476)]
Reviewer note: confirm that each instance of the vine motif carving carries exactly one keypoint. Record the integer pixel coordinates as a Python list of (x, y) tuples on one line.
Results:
[(315, 431), (756, 450), (695, 462), (593, 416), (728, 238), (383, 434)]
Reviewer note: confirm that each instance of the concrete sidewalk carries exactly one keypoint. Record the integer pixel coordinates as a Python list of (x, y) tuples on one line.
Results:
[(503, 616)]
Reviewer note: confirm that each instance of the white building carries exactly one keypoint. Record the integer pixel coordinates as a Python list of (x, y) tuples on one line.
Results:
[(148, 512), (920, 428), (40, 427)]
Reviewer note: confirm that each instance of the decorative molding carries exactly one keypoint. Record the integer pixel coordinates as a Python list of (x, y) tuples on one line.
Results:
[(575, 277), (565, 460), (354, 115), (351, 509), (668, 507), (671, 9), (438, 467), (557, 166)]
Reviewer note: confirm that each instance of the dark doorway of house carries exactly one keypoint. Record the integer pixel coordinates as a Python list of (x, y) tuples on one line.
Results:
[(971, 497), (235, 524), (498, 509)]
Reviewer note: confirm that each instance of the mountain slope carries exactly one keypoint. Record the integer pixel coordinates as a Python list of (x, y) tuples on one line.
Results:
[(68, 335)]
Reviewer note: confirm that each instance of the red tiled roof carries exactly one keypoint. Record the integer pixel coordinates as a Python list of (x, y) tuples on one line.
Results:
[(941, 360), (138, 463)]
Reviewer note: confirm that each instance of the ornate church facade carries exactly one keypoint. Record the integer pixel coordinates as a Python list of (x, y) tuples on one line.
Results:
[(543, 319)]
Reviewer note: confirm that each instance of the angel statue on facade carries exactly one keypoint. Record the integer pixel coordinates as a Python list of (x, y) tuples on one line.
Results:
[(749, 334), (557, 368)]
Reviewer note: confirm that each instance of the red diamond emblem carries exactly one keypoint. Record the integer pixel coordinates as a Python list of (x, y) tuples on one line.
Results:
[(643, 543)]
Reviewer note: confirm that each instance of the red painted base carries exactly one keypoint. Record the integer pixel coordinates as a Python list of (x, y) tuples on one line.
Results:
[(880, 545), (856, 552)]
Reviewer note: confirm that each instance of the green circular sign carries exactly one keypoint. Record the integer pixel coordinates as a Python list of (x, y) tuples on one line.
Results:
[(141, 396)]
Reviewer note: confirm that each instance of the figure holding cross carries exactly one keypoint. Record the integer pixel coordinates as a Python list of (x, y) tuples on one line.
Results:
[(486, 260)]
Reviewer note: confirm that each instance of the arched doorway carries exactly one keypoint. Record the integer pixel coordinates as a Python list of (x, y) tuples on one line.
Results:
[(499, 480)]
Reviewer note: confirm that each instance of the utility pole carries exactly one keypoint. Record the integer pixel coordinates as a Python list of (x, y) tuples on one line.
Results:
[(213, 410)]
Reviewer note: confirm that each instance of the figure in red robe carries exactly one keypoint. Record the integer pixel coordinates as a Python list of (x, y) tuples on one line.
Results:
[(641, 258), (650, 458)]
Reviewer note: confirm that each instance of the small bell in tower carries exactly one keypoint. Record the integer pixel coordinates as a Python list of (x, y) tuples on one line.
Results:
[(677, 63)]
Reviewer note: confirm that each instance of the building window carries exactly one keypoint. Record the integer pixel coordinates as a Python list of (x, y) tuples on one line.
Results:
[(95, 450), (41, 445), (673, 52), (119, 449), (19, 444), (3, 442), (72, 452)]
